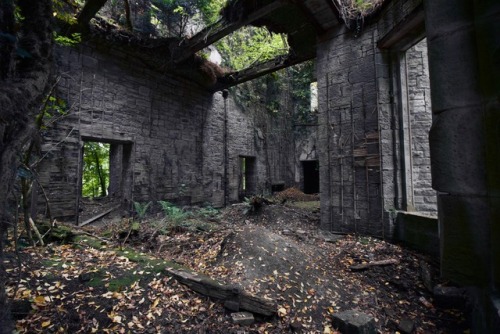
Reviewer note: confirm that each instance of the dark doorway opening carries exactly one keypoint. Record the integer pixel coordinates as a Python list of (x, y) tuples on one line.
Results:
[(311, 176)]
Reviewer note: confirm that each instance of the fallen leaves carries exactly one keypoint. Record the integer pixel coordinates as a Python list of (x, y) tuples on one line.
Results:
[(310, 280)]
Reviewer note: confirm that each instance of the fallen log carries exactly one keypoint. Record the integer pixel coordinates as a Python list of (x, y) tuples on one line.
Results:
[(233, 293), (363, 266)]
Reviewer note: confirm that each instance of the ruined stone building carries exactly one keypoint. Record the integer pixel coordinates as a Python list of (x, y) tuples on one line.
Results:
[(408, 133), (168, 137)]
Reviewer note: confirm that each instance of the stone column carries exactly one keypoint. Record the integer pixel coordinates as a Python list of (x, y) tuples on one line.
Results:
[(464, 55)]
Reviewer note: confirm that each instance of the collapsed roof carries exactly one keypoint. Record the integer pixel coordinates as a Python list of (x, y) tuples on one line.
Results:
[(301, 21)]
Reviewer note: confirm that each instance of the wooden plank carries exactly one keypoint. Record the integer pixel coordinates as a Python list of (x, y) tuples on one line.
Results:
[(88, 221), (363, 266)]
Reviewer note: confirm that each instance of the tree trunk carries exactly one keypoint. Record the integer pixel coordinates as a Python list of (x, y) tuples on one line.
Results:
[(127, 15), (89, 10), (23, 82), (100, 174)]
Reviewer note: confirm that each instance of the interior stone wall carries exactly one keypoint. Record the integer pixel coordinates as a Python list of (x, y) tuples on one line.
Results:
[(114, 99), (361, 168), (268, 138), (181, 138)]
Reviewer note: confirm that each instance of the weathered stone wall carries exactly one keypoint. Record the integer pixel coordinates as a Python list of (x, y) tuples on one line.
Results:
[(113, 99), (348, 135), (361, 167), (170, 139), (463, 48), (267, 138)]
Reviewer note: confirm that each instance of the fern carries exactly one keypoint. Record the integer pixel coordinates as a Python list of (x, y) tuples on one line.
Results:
[(141, 209)]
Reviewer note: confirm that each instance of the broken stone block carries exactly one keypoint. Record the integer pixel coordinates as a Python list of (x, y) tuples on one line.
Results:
[(243, 318), (329, 237), (354, 322), (449, 297), (406, 326)]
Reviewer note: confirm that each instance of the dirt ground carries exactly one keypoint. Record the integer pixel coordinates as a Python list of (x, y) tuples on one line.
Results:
[(277, 252)]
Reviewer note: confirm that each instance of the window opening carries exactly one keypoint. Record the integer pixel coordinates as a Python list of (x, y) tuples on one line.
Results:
[(416, 120), (314, 97)]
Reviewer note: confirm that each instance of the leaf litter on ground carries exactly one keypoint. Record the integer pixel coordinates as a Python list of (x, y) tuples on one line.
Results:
[(277, 253)]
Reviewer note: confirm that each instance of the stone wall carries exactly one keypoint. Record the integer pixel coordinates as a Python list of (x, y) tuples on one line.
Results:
[(161, 119), (361, 160), (170, 139), (348, 133)]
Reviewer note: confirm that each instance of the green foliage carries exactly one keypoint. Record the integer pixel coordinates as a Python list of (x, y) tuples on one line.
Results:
[(211, 9), (55, 106), (300, 88), (172, 212), (208, 212), (268, 92), (171, 17), (363, 5), (250, 45), (65, 10), (95, 169), (177, 219), (141, 209), (73, 40)]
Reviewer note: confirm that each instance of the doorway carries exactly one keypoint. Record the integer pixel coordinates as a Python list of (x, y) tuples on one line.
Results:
[(95, 174), (105, 177), (311, 176), (247, 177)]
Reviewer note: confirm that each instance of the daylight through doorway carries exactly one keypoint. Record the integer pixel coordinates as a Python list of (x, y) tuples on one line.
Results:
[(95, 176)]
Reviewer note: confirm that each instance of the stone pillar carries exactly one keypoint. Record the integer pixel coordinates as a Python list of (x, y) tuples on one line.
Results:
[(464, 55)]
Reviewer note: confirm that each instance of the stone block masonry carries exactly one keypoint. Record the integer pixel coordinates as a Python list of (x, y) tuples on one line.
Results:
[(167, 136), (161, 118), (361, 164)]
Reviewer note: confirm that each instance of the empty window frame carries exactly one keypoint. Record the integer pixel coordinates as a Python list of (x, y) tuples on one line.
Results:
[(415, 123)]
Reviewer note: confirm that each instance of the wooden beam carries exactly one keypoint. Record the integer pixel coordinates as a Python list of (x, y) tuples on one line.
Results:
[(278, 63), (406, 33), (102, 214), (220, 29), (310, 17)]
